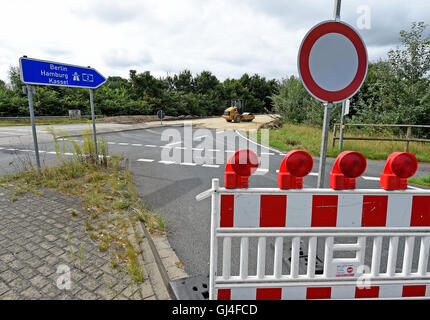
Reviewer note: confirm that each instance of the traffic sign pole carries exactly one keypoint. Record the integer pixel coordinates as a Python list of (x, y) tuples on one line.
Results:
[(33, 125), (324, 140), (93, 117), (342, 123)]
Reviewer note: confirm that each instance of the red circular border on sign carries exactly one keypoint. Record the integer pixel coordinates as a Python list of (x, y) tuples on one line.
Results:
[(305, 50)]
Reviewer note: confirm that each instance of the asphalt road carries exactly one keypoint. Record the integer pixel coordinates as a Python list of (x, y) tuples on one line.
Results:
[(169, 186)]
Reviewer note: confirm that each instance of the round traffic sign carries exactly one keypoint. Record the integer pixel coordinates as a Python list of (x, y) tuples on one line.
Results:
[(160, 114), (332, 61)]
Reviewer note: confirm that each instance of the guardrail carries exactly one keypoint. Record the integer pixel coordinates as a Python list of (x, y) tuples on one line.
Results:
[(408, 138), (44, 117)]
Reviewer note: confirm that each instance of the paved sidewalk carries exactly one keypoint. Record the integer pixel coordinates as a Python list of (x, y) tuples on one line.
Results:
[(35, 257)]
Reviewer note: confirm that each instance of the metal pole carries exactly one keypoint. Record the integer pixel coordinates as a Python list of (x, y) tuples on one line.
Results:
[(33, 125), (326, 124), (336, 13), (93, 117), (342, 125)]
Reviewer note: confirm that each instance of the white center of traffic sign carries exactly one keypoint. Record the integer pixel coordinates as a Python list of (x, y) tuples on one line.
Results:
[(333, 71), (332, 61)]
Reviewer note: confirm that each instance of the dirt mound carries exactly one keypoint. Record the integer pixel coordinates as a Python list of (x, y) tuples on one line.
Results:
[(275, 124)]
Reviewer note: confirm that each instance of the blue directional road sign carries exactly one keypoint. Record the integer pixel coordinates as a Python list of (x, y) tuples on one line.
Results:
[(35, 71)]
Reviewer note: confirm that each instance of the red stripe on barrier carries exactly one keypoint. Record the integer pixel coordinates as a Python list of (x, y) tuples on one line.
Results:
[(374, 211), (324, 211), (372, 292), (273, 210), (227, 211), (414, 291), (318, 293), (420, 216), (224, 294), (269, 293)]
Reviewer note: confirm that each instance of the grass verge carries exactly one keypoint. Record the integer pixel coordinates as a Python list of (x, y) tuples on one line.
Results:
[(9, 123), (422, 181), (308, 138), (109, 200)]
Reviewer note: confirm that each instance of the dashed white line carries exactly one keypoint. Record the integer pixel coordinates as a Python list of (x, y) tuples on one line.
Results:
[(145, 160), (371, 178), (150, 145), (210, 165), (136, 145), (188, 164), (166, 162), (123, 144)]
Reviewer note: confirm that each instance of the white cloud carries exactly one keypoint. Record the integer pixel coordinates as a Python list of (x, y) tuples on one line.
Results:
[(225, 37)]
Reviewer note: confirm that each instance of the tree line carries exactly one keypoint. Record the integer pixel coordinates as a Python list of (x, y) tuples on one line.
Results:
[(143, 94)]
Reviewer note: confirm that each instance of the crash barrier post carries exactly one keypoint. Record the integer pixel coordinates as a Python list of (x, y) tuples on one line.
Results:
[(373, 243)]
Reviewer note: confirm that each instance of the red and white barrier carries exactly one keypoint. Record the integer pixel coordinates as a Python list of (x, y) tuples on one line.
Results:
[(391, 219)]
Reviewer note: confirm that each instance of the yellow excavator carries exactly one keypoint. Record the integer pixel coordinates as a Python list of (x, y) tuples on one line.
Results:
[(235, 112)]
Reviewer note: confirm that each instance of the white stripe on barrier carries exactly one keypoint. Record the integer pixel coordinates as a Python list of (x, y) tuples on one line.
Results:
[(299, 210), (245, 214), (399, 210), (349, 212)]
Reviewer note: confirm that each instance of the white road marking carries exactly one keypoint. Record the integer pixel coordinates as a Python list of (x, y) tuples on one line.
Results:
[(415, 188), (136, 145), (166, 162), (145, 160), (172, 143), (150, 145), (123, 144), (111, 142), (258, 144), (182, 148), (371, 178), (210, 165), (188, 164)]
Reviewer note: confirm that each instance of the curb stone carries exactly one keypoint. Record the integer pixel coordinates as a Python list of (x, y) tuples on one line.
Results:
[(161, 262)]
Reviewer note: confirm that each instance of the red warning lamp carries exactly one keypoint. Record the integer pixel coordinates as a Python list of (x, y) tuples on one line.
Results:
[(296, 165), (399, 167), (240, 166), (348, 166)]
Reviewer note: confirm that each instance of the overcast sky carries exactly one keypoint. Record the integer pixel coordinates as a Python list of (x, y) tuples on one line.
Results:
[(228, 38)]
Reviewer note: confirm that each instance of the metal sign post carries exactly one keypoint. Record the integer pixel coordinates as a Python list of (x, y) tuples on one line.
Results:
[(323, 152), (93, 118), (345, 106), (160, 115), (30, 90)]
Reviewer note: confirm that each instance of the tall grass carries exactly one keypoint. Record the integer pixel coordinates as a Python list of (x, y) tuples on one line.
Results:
[(305, 137)]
